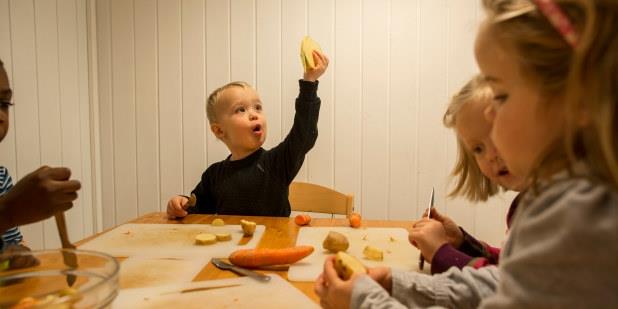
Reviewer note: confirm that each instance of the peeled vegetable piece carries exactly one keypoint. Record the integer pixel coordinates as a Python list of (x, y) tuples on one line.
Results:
[(335, 242), (223, 237), (307, 46), (253, 258), (248, 227), (373, 253), (205, 239), (347, 265), (217, 222)]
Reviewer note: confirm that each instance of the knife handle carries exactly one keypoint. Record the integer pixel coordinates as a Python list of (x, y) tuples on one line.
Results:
[(62, 231), (250, 273)]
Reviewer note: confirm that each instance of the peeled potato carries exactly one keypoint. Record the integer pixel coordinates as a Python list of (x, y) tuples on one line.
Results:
[(248, 227), (217, 222), (373, 253), (223, 237), (205, 239), (347, 265), (307, 46), (335, 242)]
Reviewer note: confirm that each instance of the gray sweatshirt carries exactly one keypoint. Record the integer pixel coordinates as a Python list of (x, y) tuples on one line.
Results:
[(562, 252)]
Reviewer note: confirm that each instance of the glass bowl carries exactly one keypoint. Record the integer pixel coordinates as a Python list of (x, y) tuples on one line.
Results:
[(40, 279)]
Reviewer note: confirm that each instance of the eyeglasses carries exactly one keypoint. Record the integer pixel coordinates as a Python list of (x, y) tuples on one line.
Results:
[(6, 104)]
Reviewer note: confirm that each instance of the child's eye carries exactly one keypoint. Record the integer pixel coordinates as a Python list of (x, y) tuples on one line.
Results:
[(477, 150), (240, 110), (5, 104), (501, 98), (258, 107)]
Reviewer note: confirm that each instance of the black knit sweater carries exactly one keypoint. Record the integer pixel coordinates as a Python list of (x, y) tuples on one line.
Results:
[(258, 184)]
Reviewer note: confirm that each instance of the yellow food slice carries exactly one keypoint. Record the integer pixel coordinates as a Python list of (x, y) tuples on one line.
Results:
[(248, 227), (373, 253), (223, 237), (217, 222), (307, 46), (205, 239)]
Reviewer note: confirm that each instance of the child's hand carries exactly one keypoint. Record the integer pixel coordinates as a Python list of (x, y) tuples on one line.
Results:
[(333, 292), (428, 235), (176, 207), (382, 275), (453, 233), (38, 196), (321, 63)]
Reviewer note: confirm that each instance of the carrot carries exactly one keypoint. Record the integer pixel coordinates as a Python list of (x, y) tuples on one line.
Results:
[(302, 219), (253, 258), (355, 220)]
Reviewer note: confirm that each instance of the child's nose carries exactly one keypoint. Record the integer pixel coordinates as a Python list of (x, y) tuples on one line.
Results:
[(490, 113)]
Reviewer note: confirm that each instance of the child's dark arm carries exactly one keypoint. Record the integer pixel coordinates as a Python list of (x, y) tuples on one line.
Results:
[(204, 204)]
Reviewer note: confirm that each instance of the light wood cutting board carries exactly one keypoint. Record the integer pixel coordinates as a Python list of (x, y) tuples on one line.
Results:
[(140, 272), (170, 240), (398, 252), (242, 292)]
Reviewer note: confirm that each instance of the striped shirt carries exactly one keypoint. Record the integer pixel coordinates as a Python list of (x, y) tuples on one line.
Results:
[(12, 235)]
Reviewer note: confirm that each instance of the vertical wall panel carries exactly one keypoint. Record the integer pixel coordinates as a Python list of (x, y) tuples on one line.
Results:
[(403, 93), (193, 92), (104, 52), (431, 152), (170, 98), (217, 63), (321, 17), (123, 109), (146, 106), (375, 106), (49, 88), (294, 21), (268, 60), (242, 40), (346, 70)]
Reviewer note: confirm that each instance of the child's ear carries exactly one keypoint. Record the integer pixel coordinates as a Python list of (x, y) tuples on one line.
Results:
[(217, 130)]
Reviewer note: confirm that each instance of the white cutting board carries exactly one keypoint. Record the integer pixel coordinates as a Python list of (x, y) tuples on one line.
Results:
[(398, 252), (139, 272), (170, 240), (242, 292)]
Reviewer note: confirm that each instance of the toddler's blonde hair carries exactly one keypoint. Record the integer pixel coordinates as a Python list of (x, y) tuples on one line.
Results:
[(470, 181), (214, 100), (586, 76)]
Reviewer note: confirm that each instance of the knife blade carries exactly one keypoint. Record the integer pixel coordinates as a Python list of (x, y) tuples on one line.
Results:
[(421, 258), (68, 256)]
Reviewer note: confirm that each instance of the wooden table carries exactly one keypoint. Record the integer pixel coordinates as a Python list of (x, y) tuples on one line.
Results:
[(279, 233)]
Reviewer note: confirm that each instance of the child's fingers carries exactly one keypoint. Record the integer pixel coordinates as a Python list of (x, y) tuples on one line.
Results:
[(330, 274)]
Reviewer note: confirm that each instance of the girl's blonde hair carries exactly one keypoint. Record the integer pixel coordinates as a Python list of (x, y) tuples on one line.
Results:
[(586, 75), (470, 181), (213, 99)]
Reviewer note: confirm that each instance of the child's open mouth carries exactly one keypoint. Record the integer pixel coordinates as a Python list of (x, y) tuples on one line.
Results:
[(503, 172), (257, 129)]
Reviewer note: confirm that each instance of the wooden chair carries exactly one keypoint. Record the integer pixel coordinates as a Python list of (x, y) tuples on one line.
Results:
[(315, 198)]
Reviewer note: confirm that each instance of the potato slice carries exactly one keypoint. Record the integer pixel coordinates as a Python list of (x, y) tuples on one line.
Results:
[(248, 227), (335, 242), (373, 253), (223, 236), (307, 46), (217, 222), (205, 239), (347, 265)]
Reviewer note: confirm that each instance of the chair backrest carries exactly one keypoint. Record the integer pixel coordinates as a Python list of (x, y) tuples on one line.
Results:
[(315, 198)]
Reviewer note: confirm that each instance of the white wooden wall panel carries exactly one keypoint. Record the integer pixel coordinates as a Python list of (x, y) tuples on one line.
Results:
[(403, 109), (217, 64), (45, 52), (268, 66), (394, 66), (147, 106)]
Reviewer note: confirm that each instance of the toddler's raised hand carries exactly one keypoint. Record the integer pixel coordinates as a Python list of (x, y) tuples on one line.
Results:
[(176, 207), (321, 63), (428, 235)]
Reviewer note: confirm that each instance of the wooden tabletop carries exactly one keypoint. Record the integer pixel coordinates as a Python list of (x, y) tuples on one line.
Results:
[(280, 233)]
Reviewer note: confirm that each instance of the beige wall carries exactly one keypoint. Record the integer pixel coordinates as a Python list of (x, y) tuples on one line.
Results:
[(394, 65)]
